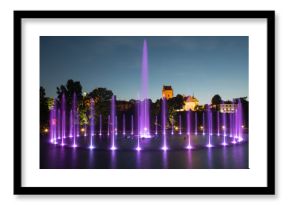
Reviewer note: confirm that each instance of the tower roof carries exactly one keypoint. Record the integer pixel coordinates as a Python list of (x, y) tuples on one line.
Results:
[(167, 87)]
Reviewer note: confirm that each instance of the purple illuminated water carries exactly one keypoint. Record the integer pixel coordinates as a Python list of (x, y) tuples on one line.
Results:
[(180, 132), (100, 129), (109, 124), (218, 123), (132, 124), (63, 119), (195, 121), (124, 125), (164, 120), (203, 123), (144, 119), (209, 127), (156, 123), (74, 122), (188, 122), (92, 123), (113, 123)]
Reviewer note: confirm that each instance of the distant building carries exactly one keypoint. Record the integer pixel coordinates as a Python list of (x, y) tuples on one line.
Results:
[(228, 107), (190, 103), (167, 92)]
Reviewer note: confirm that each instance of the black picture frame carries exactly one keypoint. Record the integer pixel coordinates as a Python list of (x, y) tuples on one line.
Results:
[(269, 189)]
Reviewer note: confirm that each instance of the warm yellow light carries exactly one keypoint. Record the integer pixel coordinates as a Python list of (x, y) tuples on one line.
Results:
[(46, 130), (201, 127), (83, 129), (176, 128)]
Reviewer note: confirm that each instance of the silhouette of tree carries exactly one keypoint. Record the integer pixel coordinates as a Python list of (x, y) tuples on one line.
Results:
[(216, 100)]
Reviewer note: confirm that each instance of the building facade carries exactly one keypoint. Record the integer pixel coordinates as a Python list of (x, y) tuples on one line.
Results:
[(167, 92)]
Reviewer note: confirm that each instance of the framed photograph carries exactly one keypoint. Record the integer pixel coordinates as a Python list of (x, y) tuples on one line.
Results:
[(144, 102)]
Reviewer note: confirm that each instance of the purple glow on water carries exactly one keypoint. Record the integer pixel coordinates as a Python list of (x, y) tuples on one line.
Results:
[(164, 119), (180, 124), (124, 125), (100, 132), (144, 119), (113, 122), (92, 121)]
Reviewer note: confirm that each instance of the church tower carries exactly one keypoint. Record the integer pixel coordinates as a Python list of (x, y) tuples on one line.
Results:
[(167, 92)]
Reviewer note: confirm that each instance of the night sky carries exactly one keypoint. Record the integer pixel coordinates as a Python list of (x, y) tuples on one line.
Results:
[(203, 66)]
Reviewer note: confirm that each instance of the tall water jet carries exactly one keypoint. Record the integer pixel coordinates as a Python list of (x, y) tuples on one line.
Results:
[(113, 122), (70, 124), (132, 124), (74, 113), (100, 128), (203, 123), (172, 127), (109, 124), (52, 123), (209, 126), (144, 117), (58, 124), (156, 123), (218, 123), (188, 122), (240, 120), (124, 125), (180, 125), (77, 124), (196, 124), (224, 127), (85, 130), (138, 148), (164, 119), (63, 119), (116, 125), (92, 122)]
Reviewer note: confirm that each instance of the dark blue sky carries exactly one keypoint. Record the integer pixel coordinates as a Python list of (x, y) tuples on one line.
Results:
[(204, 66)]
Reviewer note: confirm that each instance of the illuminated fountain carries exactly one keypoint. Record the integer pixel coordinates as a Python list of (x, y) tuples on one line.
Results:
[(188, 121), (63, 119), (144, 118), (124, 125), (92, 123), (209, 127), (196, 124), (100, 132), (164, 119), (180, 132), (65, 124), (113, 122)]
